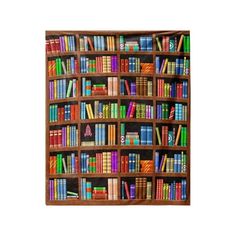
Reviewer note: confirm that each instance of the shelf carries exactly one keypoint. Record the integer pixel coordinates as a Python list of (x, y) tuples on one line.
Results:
[(101, 175), (63, 76), (178, 122), (172, 76), (105, 147), (102, 120), (136, 120), (70, 99), (98, 53), (95, 74), (61, 54), (136, 74), (117, 202), (185, 54), (63, 175), (158, 147), (68, 122), (63, 149), (184, 100), (99, 97), (134, 97)]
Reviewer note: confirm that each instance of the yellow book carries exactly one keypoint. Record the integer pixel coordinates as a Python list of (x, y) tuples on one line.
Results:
[(67, 135), (55, 189), (178, 135), (165, 66), (91, 111), (66, 43), (164, 163), (55, 89), (180, 42), (88, 111), (109, 131), (113, 44)]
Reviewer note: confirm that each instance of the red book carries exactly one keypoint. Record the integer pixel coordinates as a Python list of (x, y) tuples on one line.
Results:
[(76, 111), (122, 164), (177, 89), (181, 90), (55, 139), (63, 113), (127, 87), (51, 139), (132, 110), (127, 190), (157, 190), (122, 65), (163, 135), (158, 88), (161, 189), (57, 45), (59, 138), (52, 45), (167, 43), (72, 112), (59, 114), (166, 135), (126, 65), (126, 164), (90, 44), (76, 164), (163, 43), (48, 47), (76, 67)]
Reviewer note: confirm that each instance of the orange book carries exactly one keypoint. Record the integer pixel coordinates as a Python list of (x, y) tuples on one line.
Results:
[(76, 112), (180, 43), (72, 112), (90, 44), (178, 135)]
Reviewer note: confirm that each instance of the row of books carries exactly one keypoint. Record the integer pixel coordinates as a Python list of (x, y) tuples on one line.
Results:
[(62, 66), (143, 43), (97, 43), (142, 189), (177, 112), (100, 134), (141, 87), (65, 43), (101, 110), (132, 64), (64, 137), (132, 138), (89, 192), (63, 112), (100, 89), (173, 43), (172, 90), (101, 64), (58, 190), (171, 191), (170, 138), (136, 110), (177, 67), (174, 164), (130, 163), (105, 162), (62, 88), (61, 163)]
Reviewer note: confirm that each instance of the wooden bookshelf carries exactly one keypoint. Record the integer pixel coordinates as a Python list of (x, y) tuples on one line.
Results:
[(75, 178)]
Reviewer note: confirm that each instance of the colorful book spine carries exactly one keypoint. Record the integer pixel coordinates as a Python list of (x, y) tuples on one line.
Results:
[(172, 90), (63, 112), (56, 44), (62, 66), (146, 43), (61, 163), (146, 135), (57, 189), (102, 64), (173, 190), (62, 89), (67, 136)]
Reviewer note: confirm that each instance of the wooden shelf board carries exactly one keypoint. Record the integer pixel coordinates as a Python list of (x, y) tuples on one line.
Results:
[(61, 54), (68, 122), (63, 77), (172, 76), (70, 99)]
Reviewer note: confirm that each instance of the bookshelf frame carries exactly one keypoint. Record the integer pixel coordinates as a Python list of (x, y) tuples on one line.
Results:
[(118, 120)]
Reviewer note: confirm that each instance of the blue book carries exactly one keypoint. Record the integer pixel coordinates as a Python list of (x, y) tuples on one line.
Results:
[(122, 87), (123, 189), (175, 163), (157, 160), (143, 135), (88, 194), (177, 66), (102, 43), (179, 163), (181, 65), (134, 162), (149, 135), (149, 43), (103, 134), (72, 64), (64, 88), (157, 65), (69, 43)]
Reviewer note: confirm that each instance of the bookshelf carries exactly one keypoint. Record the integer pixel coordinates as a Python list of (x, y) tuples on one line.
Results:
[(146, 152)]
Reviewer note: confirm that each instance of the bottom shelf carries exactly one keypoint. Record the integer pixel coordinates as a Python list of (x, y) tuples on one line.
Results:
[(117, 202)]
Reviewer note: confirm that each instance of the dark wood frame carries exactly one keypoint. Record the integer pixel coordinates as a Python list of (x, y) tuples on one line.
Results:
[(118, 147)]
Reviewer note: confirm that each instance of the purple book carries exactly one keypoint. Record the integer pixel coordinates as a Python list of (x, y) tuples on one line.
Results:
[(63, 44), (129, 109), (132, 88), (132, 191), (116, 162), (60, 40), (162, 65), (51, 189), (63, 136), (112, 162)]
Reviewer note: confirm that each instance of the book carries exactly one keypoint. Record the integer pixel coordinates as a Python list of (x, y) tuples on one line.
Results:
[(57, 189), (174, 190), (67, 136)]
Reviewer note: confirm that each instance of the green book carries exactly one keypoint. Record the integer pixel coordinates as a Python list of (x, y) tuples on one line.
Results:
[(172, 45), (188, 43), (69, 89), (58, 164), (159, 48), (185, 136), (59, 66), (57, 71), (99, 188), (158, 136)]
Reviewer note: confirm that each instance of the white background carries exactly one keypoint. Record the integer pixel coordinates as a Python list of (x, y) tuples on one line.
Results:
[(22, 114)]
